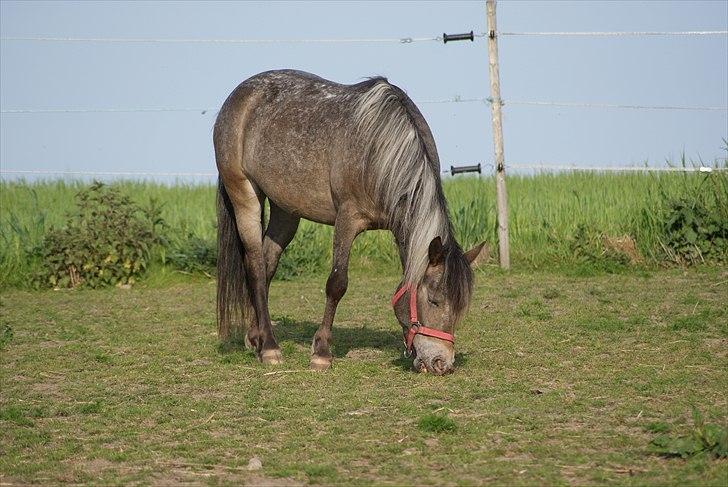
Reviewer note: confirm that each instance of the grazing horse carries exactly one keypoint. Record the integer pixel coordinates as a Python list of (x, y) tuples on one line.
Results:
[(358, 157)]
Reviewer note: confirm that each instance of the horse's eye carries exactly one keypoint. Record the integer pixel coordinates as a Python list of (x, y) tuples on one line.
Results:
[(434, 303)]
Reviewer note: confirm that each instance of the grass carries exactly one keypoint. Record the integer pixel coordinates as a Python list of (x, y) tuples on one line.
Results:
[(556, 220), (560, 379)]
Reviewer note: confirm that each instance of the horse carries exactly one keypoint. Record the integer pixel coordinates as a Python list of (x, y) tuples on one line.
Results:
[(358, 157)]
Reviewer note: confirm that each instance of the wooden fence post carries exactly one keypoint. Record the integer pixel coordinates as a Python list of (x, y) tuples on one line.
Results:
[(500, 174)]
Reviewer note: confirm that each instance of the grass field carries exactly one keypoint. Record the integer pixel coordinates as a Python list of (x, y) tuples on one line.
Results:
[(559, 380), (555, 220)]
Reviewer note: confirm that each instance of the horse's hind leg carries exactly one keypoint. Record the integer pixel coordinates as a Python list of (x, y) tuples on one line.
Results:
[(247, 204), (348, 225), (281, 229)]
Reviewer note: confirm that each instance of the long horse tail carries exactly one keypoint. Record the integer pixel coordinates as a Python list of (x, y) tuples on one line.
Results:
[(232, 293)]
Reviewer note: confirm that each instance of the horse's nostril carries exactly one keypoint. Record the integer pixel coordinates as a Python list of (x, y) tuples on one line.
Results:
[(438, 365)]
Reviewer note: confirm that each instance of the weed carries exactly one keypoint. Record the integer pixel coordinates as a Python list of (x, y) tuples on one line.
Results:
[(93, 407), (436, 423), (16, 415), (6, 335), (535, 309), (689, 323), (705, 439), (657, 427)]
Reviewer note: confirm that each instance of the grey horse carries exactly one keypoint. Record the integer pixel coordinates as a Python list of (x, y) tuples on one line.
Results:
[(358, 157)]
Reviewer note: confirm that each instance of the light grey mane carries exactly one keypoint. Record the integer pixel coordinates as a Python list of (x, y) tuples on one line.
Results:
[(405, 181)]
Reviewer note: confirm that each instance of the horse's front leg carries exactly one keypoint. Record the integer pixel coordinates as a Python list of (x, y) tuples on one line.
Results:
[(347, 226)]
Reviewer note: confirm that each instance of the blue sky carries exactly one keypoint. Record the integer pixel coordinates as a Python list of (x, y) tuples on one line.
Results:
[(631, 70)]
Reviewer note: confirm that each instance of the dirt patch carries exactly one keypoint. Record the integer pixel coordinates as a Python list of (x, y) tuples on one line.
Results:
[(363, 354), (181, 472), (97, 466), (717, 346), (50, 389)]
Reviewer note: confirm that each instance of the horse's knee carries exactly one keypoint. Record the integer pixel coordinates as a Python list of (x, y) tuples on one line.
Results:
[(336, 284)]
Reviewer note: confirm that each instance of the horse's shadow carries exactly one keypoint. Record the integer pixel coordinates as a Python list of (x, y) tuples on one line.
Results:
[(343, 339)]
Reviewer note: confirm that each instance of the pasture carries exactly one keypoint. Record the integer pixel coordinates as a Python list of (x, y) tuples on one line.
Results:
[(560, 379)]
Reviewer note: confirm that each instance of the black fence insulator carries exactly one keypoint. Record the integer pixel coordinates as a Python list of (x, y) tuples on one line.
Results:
[(458, 37), (458, 170)]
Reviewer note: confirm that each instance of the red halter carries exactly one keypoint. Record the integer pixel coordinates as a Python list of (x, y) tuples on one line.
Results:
[(417, 328)]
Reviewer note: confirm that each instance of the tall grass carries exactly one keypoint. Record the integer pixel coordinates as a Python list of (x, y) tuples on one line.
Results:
[(545, 213)]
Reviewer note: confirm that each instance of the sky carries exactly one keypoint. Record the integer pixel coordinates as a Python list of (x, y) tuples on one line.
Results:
[(615, 70)]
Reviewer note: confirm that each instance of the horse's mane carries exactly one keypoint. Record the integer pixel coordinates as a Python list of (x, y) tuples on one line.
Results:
[(404, 174)]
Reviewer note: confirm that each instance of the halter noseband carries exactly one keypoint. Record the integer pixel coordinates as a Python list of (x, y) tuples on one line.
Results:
[(417, 328)]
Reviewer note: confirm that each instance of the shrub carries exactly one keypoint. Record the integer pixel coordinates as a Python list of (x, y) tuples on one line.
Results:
[(105, 242), (696, 230)]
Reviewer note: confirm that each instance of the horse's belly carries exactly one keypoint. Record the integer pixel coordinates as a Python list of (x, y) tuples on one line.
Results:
[(305, 194)]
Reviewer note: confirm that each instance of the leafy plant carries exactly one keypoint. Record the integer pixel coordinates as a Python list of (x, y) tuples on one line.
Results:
[(105, 242), (695, 230), (705, 438), (436, 423)]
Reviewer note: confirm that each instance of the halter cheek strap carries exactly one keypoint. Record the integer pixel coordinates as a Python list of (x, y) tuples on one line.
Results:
[(417, 328)]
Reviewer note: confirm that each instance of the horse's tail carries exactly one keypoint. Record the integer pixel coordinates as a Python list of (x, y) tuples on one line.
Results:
[(232, 292)]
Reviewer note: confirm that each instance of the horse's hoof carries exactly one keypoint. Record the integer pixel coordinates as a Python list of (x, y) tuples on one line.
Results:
[(271, 357), (320, 363)]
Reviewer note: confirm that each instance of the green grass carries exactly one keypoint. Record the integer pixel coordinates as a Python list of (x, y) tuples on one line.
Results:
[(556, 220), (560, 380)]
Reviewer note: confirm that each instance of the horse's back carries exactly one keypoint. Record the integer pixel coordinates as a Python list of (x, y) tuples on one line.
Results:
[(297, 138)]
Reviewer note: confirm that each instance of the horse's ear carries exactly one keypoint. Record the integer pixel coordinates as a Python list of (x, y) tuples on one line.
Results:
[(436, 252), (477, 254)]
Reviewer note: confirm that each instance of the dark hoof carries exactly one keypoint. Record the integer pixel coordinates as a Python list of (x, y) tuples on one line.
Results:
[(271, 357), (320, 363)]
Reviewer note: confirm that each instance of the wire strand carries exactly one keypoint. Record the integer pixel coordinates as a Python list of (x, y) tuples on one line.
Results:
[(107, 110), (400, 40), (161, 40), (567, 167), (567, 104), (621, 33), (456, 99), (543, 167), (106, 173)]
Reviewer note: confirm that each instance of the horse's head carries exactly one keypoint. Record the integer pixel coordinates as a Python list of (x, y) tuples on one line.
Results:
[(429, 311)]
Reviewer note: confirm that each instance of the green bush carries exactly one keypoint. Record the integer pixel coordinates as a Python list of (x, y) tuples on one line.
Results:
[(105, 242), (695, 231)]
